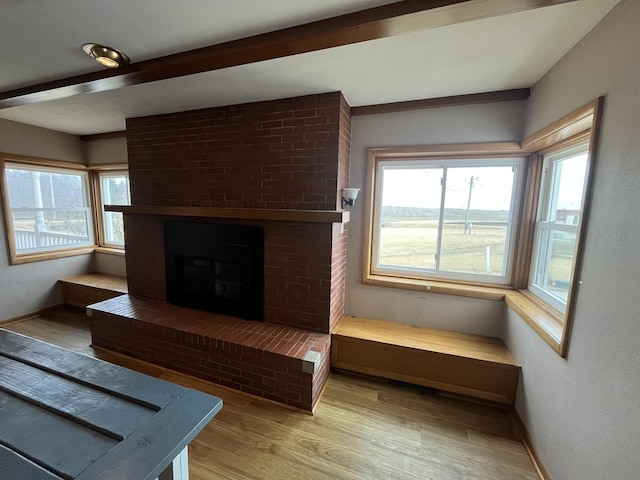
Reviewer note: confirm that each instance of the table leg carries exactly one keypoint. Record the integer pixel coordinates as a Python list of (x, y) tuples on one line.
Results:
[(179, 468)]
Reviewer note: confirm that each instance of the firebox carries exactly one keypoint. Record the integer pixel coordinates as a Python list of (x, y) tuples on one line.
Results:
[(215, 267)]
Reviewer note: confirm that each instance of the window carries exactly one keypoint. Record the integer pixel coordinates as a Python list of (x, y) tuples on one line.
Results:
[(559, 211), (46, 208), (445, 218), (114, 190), (558, 196)]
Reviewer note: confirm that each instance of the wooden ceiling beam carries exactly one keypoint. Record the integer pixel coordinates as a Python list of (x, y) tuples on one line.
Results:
[(440, 102), (103, 136), (375, 23)]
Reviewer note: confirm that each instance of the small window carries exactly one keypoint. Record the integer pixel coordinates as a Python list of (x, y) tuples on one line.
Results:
[(452, 219), (114, 190), (560, 209), (47, 209)]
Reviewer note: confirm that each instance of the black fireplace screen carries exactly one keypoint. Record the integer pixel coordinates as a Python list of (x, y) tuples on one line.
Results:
[(215, 267)]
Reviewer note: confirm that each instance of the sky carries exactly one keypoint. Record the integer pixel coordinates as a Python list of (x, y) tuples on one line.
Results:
[(420, 187), (571, 182), (492, 186)]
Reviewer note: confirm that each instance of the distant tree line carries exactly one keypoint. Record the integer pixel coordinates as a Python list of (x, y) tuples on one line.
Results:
[(57, 190), (391, 213)]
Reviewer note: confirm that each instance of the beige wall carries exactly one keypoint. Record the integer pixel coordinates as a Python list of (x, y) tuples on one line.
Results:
[(31, 287), (583, 411), (480, 123), (111, 264), (33, 141), (106, 151)]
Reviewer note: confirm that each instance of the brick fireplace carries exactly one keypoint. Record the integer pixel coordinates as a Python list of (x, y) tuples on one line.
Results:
[(276, 164)]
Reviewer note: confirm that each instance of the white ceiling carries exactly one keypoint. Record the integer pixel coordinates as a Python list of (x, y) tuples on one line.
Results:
[(42, 41)]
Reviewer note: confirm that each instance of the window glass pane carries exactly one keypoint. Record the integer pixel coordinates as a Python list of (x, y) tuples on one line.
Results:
[(556, 263), (115, 191), (113, 228), (446, 219), (566, 192), (49, 209), (477, 212), (410, 209)]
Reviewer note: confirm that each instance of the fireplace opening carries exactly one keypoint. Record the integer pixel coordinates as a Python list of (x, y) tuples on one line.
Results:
[(215, 267)]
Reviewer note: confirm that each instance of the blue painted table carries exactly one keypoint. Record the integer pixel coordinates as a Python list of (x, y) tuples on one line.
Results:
[(68, 416)]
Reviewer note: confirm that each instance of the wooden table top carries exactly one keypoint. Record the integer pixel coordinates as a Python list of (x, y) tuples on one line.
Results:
[(64, 415)]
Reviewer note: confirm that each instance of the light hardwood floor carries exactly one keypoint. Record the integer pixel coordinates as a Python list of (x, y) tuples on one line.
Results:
[(362, 429)]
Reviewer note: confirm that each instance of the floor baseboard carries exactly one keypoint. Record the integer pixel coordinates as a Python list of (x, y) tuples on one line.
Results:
[(521, 430), (9, 321)]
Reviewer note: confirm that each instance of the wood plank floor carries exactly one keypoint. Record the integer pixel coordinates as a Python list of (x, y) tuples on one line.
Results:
[(362, 429)]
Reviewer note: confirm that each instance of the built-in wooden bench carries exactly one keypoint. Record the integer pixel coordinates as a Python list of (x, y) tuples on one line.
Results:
[(472, 365), (83, 290), (274, 361)]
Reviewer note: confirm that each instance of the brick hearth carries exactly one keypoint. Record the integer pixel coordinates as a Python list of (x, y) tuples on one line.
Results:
[(284, 364)]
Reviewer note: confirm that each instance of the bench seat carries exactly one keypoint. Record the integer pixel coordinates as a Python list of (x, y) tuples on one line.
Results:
[(83, 290), (466, 364)]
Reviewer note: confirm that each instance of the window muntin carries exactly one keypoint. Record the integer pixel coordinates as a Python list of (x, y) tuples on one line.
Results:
[(114, 190), (49, 208), (559, 212), (453, 219)]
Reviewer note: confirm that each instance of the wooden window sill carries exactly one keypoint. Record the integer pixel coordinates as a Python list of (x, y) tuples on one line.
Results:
[(41, 256), (434, 286), (546, 321), (119, 252)]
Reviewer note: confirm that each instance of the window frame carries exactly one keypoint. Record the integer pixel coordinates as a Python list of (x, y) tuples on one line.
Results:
[(581, 125), (543, 223), (441, 152), (467, 159), (93, 195), (45, 165), (99, 172)]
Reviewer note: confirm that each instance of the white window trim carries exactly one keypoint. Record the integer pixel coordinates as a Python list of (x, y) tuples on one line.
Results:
[(442, 275)]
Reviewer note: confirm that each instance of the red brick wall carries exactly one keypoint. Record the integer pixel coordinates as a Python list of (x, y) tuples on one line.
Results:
[(290, 153), (338, 275), (297, 275), (275, 154), (339, 235), (344, 148), (144, 237)]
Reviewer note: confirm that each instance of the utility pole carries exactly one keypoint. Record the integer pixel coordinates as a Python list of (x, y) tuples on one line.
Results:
[(467, 223), (40, 226)]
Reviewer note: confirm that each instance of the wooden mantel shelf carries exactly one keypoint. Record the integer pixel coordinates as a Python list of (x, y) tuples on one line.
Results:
[(277, 215)]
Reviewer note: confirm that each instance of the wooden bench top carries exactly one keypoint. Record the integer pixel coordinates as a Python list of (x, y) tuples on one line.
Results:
[(421, 338), (101, 281), (66, 415)]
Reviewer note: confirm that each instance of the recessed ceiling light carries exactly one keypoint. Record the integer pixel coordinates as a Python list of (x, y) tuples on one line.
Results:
[(107, 56)]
